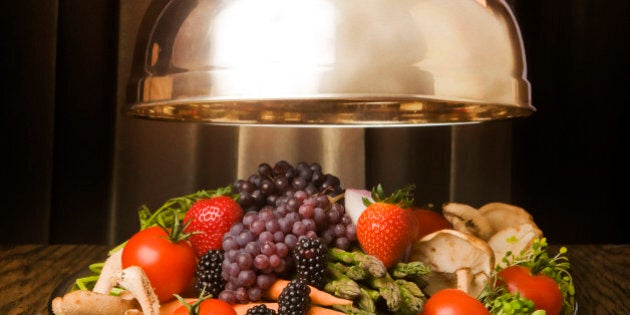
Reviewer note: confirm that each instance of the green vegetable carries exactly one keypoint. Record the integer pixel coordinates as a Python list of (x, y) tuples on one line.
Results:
[(388, 291), (366, 300), (372, 284), (353, 272), (501, 302), (344, 288), (412, 297), (411, 270), (369, 263)]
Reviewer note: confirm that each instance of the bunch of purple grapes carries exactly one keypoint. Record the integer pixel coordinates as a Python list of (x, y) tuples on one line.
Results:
[(269, 183), (259, 248)]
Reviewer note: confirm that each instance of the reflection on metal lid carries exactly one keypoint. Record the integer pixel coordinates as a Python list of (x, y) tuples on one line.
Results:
[(333, 62)]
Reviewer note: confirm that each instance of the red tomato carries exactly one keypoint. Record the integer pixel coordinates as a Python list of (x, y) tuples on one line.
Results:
[(430, 221), (453, 302), (541, 289), (209, 307), (169, 266)]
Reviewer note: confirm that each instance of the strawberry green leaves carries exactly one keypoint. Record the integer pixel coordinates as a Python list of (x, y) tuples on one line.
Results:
[(403, 198)]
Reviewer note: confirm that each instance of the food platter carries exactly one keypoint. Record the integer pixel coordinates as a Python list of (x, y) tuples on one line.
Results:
[(369, 245)]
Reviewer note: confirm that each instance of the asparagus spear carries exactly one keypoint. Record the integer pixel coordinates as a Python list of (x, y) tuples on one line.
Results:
[(353, 272), (413, 271), (369, 263), (365, 279), (343, 288), (409, 270), (366, 300), (412, 298), (388, 290), (339, 284)]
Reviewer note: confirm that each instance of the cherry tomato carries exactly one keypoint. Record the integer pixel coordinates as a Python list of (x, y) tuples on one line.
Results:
[(541, 289), (169, 266), (209, 307), (453, 302), (430, 221)]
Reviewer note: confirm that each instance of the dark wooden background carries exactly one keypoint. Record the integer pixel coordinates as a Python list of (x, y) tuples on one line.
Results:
[(57, 97)]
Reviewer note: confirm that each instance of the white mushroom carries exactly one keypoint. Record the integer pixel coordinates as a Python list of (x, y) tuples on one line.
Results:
[(134, 280), (457, 260), (502, 215), (467, 219), (113, 264), (138, 293), (81, 302), (513, 239)]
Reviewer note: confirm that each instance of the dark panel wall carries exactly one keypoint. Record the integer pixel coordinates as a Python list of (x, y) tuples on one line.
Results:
[(58, 64), (84, 115), (27, 97), (570, 160)]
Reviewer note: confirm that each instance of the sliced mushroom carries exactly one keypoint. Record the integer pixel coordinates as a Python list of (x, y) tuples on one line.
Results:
[(457, 260), (81, 302), (113, 264), (134, 280), (138, 293), (467, 219), (513, 239), (502, 215)]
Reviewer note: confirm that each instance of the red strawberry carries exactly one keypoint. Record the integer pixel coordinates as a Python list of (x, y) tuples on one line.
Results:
[(208, 219), (386, 228)]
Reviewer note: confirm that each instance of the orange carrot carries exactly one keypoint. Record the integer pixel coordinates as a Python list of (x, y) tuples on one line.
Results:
[(318, 297), (318, 310), (241, 309)]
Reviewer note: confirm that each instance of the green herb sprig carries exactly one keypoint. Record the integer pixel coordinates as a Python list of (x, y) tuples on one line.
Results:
[(499, 301)]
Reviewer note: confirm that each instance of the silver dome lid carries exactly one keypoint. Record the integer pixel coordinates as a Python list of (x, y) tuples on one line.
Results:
[(341, 63)]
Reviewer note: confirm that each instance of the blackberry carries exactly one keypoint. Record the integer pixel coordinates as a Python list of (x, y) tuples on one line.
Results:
[(310, 261), (261, 309), (294, 298), (208, 277)]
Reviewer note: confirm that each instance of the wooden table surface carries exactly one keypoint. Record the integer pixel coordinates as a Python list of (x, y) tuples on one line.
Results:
[(30, 273)]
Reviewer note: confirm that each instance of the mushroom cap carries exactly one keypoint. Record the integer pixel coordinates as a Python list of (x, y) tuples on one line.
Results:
[(513, 239), (502, 215), (456, 259), (465, 218)]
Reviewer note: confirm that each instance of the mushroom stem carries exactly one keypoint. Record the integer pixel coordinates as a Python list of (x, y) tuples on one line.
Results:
[(464, 277), (134, 280), (113, 264)]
